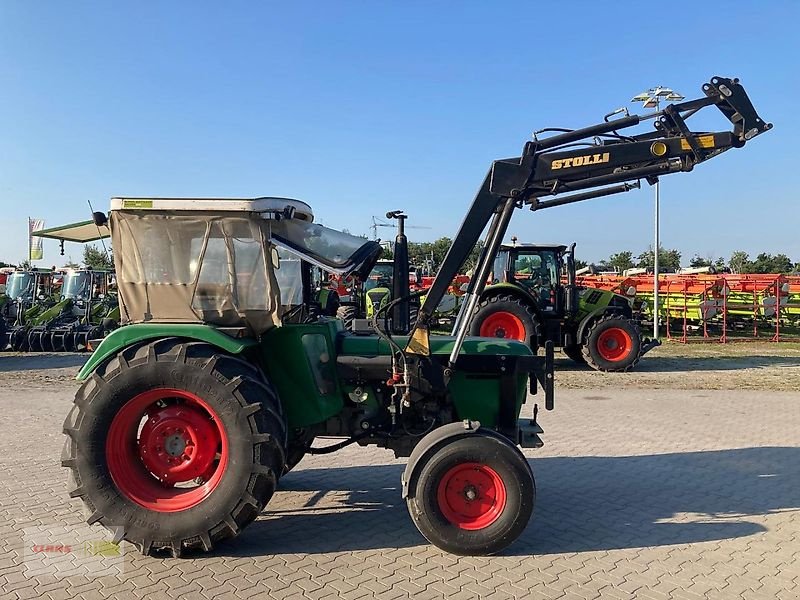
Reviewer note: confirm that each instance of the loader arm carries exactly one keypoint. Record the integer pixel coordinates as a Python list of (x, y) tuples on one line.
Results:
[(575, 165)]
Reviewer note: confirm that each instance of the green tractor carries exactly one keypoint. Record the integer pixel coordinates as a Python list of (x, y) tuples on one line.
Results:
[(388, 280), (30, 297), (528, 300), (189, 415), (85, 312)]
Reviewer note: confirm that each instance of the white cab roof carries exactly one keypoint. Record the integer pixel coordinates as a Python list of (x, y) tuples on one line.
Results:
[(257, 205)]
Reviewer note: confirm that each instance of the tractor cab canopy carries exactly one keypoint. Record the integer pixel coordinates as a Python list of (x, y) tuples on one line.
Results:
[(86, 284), (27, 285), (191, 260)]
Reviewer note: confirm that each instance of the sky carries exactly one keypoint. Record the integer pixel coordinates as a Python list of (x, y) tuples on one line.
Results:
[(359, 108)]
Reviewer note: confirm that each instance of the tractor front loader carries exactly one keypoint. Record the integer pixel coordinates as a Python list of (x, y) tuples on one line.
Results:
[(190, 413)]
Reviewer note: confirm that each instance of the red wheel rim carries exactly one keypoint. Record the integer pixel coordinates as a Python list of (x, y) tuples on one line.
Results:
[(614, 344), (471, 496), (172, 461), (503, 325)]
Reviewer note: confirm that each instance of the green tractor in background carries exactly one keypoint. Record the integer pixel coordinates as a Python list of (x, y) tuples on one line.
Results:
[(368, 296), (388, 280), (30, 296), (528, 300), (86, 311)]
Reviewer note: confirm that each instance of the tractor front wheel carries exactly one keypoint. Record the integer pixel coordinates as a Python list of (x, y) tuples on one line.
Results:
[(613, 343), (175, 445), (503, 317), (474, 495)]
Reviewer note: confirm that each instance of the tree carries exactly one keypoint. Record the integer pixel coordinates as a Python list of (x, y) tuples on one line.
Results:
[(25, 265), (95, 258), (766, 263), (668, 260), (621, 261), (707, 261), (71, 264), (580, 264), (700, 261), (740, 262)]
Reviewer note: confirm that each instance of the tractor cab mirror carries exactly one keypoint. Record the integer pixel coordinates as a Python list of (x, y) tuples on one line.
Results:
[(99, 218)]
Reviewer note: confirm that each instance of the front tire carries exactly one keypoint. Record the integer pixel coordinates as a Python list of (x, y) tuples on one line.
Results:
[(473, 496), (174, 445), (504, 317), (613, 343)]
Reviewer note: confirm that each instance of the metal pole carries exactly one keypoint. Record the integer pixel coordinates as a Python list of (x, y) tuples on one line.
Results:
[(657, 238), (655, 265)]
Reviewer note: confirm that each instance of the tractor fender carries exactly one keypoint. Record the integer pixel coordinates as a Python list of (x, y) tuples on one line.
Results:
[(129, 335), (437, 438)]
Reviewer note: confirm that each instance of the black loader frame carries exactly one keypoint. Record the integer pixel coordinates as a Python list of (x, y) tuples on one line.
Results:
[(566, 163)]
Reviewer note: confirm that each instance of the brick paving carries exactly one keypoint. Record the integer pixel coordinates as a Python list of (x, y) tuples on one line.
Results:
[(650, 494)]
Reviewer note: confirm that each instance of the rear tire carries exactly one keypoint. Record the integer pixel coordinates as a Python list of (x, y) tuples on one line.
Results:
[(613, 343), (347, 314), (201, 390), (504, 317), (474, 495)]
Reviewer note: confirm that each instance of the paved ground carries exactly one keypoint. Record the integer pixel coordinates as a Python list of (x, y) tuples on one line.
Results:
[(642, 494)]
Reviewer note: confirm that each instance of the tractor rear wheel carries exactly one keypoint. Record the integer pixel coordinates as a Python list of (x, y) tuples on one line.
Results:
[(474, 495), (504, 317), (613, 343), (347, 314), (175, 445)]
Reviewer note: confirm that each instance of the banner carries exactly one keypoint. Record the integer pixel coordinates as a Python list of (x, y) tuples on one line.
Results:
[(35, 251)]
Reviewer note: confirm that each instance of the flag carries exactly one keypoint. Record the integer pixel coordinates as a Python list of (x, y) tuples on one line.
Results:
[(35, 251)]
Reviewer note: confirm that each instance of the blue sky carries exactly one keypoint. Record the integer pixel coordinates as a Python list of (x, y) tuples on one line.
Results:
[(363, 107)]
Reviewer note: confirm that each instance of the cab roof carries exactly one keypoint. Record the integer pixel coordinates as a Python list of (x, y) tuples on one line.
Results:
[(556, 247), (302, 210)]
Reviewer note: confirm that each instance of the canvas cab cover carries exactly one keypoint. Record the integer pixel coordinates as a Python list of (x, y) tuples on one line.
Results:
[(188, 260)]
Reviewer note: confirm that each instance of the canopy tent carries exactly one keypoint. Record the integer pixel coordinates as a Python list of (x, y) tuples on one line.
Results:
[(85, 231)]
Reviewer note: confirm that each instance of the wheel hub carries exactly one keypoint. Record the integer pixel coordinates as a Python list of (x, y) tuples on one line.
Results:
[(503, 324), (166, 450), (178, 443), (470, 493), (614, 344), (471, 496)]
